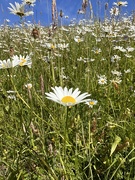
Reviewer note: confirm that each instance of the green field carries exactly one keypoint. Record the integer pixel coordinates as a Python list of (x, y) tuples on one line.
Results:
[(44, 140)]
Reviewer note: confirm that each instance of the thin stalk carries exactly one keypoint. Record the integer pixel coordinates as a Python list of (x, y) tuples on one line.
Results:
[(90, 141), (66, 131), (121, 163)]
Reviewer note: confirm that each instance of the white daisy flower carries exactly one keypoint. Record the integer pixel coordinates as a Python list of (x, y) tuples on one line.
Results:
[(29, 2), (121, 3), (67, 97), (80, 11), (96, 50), (114, 11), (11, 94), (117, 73), (63, 46), (18, 9), (117, 80), (102, 79), (128, 55), (5, 64), (78, 39), (127, 71), (50, 46), (80, 59), (130, 49), (23, 61), (28, 86), (120, 48), (91, 103), (115, 58), (11, 97)]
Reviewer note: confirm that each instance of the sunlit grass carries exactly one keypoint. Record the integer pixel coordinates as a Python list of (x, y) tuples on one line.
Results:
[(41, 139)]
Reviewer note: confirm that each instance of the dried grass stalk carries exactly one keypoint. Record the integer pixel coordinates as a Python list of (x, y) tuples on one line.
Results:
[(84, 5), (54, 13)]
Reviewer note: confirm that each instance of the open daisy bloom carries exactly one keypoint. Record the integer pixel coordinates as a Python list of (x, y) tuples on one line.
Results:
[(22, 60), (91, 103), (18, 9), (67, 97), (29, 2), (5, 64), (121, 3)]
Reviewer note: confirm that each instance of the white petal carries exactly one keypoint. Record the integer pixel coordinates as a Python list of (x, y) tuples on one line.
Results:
[(76, 92)]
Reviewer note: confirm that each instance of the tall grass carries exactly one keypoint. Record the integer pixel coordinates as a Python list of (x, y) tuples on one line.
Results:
[(99, 141)]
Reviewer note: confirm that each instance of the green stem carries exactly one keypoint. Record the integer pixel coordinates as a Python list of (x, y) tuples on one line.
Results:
[(26, 104), (65, 131), (65, 140), (122, 162)]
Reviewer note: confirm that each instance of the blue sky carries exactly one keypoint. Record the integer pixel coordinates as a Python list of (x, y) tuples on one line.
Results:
[(42, 10)]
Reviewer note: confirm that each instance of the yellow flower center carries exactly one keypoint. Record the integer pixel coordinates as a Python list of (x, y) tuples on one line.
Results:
[(102, 80), (20, 14), (3, 65), (68, 99), (28, 2), (23, 61), (97, 51), (91, 103), (119, 3), (114, 10), (52, 46)]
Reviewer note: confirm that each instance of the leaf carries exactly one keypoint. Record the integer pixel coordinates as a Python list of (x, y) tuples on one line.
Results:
[(114, 145), (7, 108)]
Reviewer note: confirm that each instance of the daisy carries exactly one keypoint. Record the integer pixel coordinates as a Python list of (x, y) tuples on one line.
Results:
[(91, 103), (102, 79), (115, 58), (114, 11), (29, 2), (63, 46), (11, 97), (120, 48), (23, 61), (67, 97), (80, 59), (78, 39), (18, 9), (107, 29), (127, 71), (128, 55), (11, 94), (121, 3), (50, 46), (28, 86), (130, 49), (117, 80), (80, 11), (117, 73), (96, 50), (5, 64)]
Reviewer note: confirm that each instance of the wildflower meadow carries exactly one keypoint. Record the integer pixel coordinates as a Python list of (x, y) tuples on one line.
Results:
[(67, 97)]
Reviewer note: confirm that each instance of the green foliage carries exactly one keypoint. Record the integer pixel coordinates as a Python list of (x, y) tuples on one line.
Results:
[(41, 139)]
